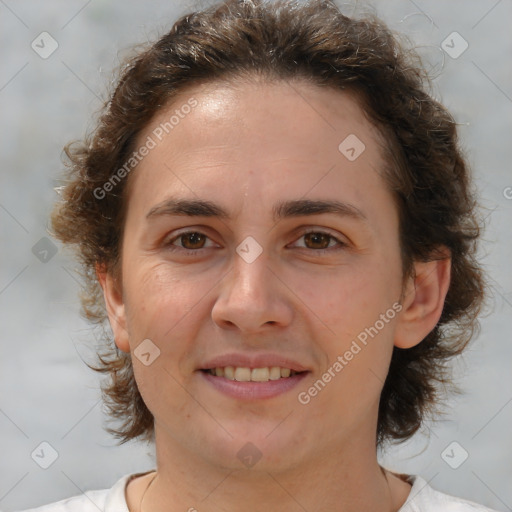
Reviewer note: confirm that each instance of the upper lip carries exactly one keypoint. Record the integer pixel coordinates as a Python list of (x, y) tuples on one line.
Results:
[(253, 361)]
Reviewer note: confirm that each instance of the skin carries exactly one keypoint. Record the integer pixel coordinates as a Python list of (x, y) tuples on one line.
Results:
[(246, 147)]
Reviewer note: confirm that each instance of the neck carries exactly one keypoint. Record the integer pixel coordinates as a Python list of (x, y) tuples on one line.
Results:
[(349, 479)]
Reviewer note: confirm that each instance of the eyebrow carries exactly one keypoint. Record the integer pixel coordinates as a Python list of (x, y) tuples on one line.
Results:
[(283, 209)]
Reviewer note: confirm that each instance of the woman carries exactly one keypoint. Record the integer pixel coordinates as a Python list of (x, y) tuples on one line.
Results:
[(276, 219)]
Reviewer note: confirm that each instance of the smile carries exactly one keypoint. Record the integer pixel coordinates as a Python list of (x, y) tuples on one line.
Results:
[(245, 374), (244, 383)]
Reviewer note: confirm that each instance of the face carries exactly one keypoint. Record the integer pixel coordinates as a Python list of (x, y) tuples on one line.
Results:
[(260, 234)]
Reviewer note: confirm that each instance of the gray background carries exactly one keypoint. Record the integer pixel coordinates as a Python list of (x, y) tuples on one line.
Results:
[(47, 392)]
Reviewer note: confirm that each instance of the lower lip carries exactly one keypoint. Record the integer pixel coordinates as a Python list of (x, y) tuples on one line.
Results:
[(253, 390)]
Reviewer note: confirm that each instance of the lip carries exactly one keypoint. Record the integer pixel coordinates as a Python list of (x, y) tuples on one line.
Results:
[(252, 390), (253, 361)]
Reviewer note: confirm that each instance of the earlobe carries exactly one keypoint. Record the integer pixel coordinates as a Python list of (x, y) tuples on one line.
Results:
[(423, 302), (115, 308)]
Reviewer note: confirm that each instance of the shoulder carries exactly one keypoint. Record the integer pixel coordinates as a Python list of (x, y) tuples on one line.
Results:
[(424, 498), (88, 502), (105, 500)]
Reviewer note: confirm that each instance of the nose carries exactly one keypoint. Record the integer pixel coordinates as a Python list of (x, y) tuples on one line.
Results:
[(252, 297)]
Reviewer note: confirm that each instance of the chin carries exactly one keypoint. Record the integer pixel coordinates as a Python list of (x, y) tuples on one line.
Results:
[(256, 448)]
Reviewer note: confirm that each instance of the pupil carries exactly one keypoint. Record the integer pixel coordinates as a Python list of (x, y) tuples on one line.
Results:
[(317, 238), (194, 238)]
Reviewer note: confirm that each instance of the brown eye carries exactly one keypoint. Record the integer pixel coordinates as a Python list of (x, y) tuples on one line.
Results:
[(318, 240), (192, 240)]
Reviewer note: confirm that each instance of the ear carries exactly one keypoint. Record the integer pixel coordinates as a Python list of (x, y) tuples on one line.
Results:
[(423, 301), (115, 307)]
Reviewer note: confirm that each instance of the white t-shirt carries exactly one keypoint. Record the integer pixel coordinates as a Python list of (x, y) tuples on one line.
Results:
[(422, 498)]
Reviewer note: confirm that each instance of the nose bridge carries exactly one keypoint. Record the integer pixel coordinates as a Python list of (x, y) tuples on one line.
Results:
[(250, 296), (250, 270)]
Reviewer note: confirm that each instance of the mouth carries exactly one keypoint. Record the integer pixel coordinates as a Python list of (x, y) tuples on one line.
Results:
[(246, 374), (245, 383)]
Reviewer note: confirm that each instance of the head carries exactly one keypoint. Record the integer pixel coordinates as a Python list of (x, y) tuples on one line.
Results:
[(268, 111)]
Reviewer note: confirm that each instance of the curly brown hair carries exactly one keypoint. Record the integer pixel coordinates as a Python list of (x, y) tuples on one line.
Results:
[(287, 40)]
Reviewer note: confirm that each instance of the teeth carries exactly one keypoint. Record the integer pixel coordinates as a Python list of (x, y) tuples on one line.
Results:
[(260, 375), (285, 372), (275, 373), (229, 372), (243, 374)]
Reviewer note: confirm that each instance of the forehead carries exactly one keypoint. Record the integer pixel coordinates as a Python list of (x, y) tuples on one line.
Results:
[(259, 138), (299, 111)]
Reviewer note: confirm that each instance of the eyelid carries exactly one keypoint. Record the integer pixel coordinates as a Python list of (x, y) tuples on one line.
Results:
[(167, 241), (337, 237)]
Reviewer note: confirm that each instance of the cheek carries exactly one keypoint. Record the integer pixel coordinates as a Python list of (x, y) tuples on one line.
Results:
[(156, 307), (159, 301), (169, 306), (347, 299), (160, 308), (355, 319)]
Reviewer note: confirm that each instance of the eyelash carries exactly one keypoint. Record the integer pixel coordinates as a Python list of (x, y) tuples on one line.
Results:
[(341, 245)]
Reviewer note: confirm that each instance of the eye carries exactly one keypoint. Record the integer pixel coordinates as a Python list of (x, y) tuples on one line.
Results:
[(190, 240), (321, 241)]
